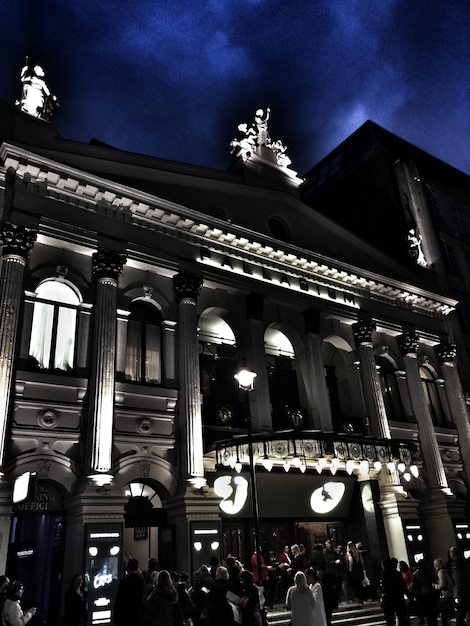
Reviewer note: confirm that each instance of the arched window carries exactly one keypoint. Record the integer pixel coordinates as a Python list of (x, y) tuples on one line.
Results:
[(431, 395), (390, 390), (143, 352), (52, 343), (218, 364), (282, 376)]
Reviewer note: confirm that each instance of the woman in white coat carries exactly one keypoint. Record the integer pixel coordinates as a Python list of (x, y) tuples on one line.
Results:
[(319, 614), (12, 614), (300, 601)]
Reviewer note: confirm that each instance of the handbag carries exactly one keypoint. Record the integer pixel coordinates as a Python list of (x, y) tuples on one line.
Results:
[(445, 603), (384, 601), (365, 581)]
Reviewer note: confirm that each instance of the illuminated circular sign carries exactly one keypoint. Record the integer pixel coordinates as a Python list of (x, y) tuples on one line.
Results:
[(326, 498), (234, 491)]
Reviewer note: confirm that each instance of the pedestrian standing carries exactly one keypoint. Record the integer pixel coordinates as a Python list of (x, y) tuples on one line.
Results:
[(129, 603), (300, 601), (459, 569), (12, 614), (320, 611), (75, 603), (355, 571), (392, 594), (445, 587), (161, 605)]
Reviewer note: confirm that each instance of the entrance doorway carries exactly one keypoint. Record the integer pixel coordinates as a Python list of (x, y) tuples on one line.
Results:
[(238, 538), (35, 556)]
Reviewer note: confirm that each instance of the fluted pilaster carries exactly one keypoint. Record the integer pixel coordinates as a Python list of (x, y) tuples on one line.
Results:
[(107, 266), (187, 287), (17, 244)]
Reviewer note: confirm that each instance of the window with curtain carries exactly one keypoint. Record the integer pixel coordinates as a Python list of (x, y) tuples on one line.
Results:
[(431, 395), (143, 352), (52, 343)]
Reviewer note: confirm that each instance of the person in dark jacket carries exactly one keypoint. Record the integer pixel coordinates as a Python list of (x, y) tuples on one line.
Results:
[(392, 597), (128, 606), (422, 589), (460, 571), (161, 607), (75, 604), (317, 557), (218, 610), (186, 605), (198, 594), (234, 582), (250, 608)]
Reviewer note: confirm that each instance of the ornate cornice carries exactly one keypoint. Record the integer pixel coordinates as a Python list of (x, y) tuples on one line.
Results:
[(17, 240), (250, 253)]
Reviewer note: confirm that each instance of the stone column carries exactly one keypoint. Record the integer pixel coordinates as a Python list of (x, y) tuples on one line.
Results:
[(373, 399), (446, 354), (408, 344), (17, 242), (434, 511), (107, 266), (391, 493), (187, 287)]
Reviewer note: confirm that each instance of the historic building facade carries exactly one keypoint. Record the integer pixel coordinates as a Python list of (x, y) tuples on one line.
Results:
[(132, 289)]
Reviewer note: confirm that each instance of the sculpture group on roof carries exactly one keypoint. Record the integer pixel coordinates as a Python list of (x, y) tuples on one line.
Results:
[(255, 135), (36, 97), (38, 101)]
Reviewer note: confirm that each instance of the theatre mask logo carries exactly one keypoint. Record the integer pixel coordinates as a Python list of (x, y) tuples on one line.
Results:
[(326, 498), (233, 490)]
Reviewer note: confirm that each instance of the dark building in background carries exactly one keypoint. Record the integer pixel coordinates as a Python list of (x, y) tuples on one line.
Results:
[(411, 205)]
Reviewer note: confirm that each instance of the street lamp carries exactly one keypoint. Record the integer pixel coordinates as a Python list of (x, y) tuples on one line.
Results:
[(245, 379)]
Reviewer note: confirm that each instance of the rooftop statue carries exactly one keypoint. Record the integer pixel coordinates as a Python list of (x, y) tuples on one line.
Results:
[(415, 247), (261, 124), (36, 98), (256, 135)]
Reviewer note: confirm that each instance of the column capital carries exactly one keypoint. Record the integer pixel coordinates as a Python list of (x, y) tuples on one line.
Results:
[(17, 240), (445, 352), (363, 331), (408, 343), (187, 285), (107, 263)]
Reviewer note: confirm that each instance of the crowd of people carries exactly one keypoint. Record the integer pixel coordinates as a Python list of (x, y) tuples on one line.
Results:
[(432, 590), (311, 587), (228, 594), (217, 595), (330, 574)]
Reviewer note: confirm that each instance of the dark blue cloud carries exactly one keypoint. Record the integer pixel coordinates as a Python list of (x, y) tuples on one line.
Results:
[(174, 78)]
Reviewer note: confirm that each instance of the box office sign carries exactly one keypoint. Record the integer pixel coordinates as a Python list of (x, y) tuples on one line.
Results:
[(44, 498)]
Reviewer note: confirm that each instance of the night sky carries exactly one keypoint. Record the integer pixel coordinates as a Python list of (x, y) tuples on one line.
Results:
[(174, 78)]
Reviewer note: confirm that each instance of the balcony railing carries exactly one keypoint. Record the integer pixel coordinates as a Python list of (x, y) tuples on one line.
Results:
[(321, 452)]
